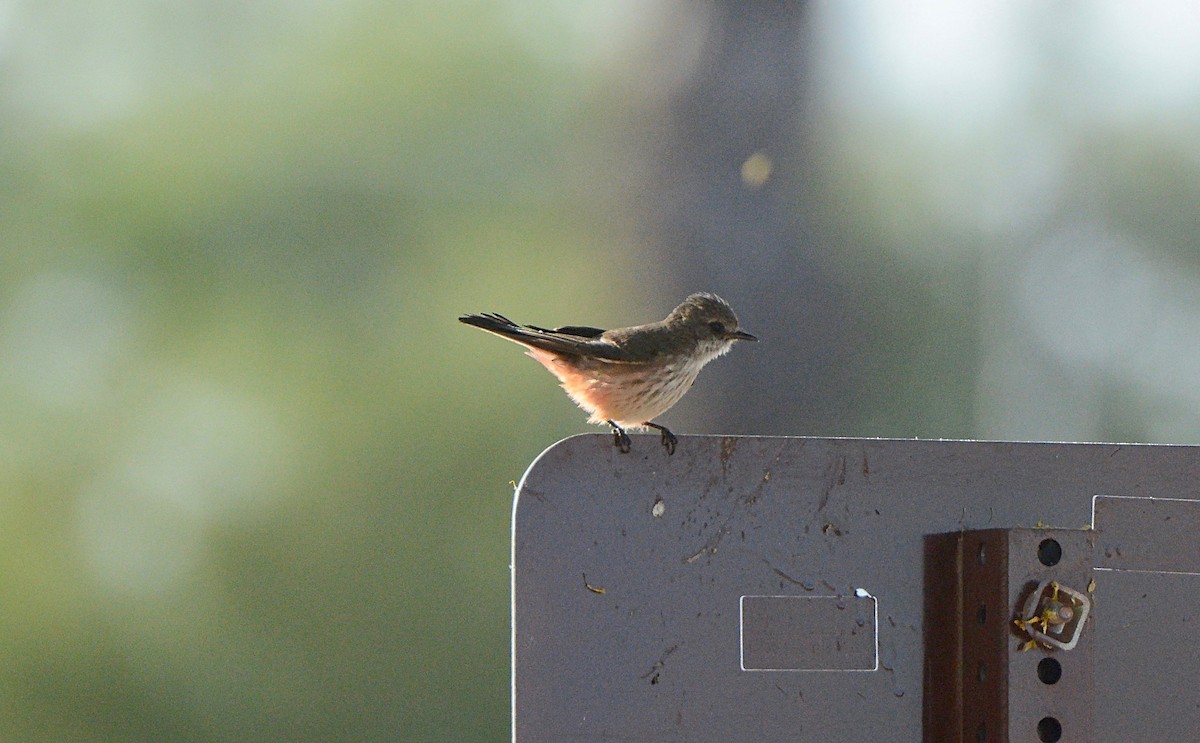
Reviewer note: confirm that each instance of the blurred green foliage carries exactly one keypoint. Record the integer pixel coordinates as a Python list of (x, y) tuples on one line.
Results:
[(253, 486)]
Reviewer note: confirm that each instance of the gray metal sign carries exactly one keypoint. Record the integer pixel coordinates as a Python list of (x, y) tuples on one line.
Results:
[(795, 589)]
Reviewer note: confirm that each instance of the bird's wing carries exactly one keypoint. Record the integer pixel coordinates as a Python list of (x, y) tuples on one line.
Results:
[(580, 330), (570, 340)]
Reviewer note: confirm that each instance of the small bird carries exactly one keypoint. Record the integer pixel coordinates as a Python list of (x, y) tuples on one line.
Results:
[(627, 377)]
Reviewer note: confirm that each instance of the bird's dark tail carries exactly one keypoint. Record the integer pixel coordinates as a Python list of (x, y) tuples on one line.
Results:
[(568, 340), (523, 334), (493, 323)]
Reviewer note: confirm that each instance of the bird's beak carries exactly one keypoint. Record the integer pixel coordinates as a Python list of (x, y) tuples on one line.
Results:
[(740, 335)]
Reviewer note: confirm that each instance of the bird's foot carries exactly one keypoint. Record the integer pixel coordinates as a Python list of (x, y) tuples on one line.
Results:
[(668, 438), (620, 438)]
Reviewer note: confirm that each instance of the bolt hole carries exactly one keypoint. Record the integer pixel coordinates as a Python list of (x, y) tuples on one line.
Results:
[(1049, 730), (981, 733), (1049, 671), (981, 614), (981, 674), (1049, 552), (981, 555)]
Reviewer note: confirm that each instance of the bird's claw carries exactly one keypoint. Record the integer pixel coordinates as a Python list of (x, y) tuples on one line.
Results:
[(668, 441), (620, 438), (668, 438), (622, 441)]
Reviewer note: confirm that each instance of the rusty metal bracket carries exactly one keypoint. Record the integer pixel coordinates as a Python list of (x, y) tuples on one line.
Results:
[(995, 668)]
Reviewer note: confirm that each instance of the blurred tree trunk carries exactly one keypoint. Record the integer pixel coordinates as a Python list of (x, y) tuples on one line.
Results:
[(751, 243)]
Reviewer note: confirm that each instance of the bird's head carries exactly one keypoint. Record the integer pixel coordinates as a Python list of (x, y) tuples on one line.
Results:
[(710, 320)]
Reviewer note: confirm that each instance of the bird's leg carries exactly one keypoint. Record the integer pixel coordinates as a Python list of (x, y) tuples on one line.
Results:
[(620, 438), (668, 438)]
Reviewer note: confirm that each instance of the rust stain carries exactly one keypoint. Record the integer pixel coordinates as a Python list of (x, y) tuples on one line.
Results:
[(835, 477), (653, 673), (728, 447)]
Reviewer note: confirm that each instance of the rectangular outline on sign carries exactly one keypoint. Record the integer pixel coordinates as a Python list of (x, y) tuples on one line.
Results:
[(1141, 497), (859, 593)]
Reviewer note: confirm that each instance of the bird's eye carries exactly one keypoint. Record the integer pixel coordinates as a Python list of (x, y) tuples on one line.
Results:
[(717, 327)]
